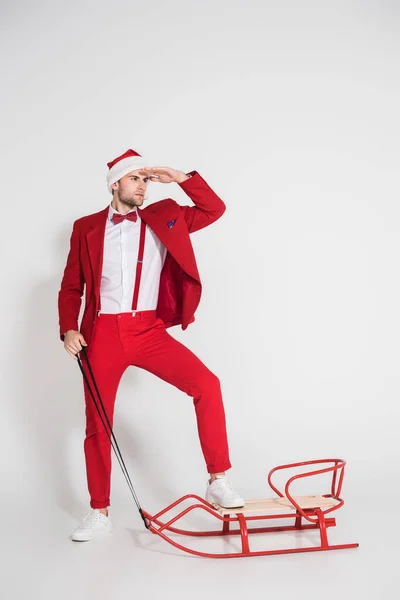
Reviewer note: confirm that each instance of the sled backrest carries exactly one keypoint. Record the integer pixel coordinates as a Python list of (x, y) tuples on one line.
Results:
[(337, 470)]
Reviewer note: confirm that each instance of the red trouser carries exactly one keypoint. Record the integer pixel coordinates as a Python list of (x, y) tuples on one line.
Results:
[(120, 340)]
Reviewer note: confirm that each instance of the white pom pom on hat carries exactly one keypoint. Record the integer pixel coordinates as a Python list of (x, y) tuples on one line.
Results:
[(122, 165)]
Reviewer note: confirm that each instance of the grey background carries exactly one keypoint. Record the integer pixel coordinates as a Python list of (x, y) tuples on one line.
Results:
[(290, 112)]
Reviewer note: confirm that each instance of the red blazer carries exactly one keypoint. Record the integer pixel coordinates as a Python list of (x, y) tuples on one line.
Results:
[(180, 285)]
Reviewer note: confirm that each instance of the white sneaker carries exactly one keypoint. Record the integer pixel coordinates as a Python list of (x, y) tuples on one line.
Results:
[(220, 492), (95, 523)]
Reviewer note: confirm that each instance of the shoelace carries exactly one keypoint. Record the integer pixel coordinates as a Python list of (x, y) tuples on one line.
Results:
[(91, 519), (223, 484)]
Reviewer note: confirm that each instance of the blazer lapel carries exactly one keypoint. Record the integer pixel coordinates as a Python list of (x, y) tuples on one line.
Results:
[(95, 246), (175, 239)]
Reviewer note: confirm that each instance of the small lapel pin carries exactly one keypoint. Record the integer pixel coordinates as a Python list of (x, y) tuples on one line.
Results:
[(171, 223)]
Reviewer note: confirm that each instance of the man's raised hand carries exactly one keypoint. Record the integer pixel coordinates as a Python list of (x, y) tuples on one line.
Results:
[(164, 174)]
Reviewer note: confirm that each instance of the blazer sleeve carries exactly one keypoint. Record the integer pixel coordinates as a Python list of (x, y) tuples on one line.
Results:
[(72, 286), (208, 206)]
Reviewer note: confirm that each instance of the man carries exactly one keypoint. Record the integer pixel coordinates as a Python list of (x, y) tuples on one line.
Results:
[(141, 277)]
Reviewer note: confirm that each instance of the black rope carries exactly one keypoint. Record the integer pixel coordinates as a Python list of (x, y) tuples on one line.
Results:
[(118, 454)]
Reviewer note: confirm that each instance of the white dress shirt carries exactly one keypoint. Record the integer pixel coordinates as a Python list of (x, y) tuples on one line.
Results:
[(121, 246)]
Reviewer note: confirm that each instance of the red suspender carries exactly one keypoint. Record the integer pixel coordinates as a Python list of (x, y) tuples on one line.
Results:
[(139, 265)]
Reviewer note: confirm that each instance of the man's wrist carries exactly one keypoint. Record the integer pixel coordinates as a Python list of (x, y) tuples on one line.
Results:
[(182, 177)]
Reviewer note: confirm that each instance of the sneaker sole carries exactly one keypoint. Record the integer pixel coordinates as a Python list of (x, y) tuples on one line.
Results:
[(88, 539), (218, 506)]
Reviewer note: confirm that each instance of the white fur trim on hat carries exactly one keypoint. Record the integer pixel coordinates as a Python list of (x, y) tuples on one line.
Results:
[(123, 167)]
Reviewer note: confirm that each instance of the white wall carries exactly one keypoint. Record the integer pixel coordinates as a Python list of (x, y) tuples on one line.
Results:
[(290, 112)]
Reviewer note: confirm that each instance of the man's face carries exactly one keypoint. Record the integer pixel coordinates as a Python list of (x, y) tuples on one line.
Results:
[(132, 187)]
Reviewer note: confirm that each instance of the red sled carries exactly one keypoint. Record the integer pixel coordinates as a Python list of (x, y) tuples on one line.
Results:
[(306, 512)]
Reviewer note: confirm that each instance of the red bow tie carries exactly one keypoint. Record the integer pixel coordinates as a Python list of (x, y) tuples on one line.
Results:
[(117, 218)]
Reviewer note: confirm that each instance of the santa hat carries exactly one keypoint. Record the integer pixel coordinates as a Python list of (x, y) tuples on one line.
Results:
[(122, 165)]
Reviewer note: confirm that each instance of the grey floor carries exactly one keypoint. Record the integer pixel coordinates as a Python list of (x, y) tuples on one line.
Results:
[(41, 561)]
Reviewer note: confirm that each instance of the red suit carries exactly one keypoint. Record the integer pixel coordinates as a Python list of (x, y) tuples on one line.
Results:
[(116, 341)]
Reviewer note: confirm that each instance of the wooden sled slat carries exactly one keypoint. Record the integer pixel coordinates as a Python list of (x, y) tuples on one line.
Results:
[(271, 504)]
